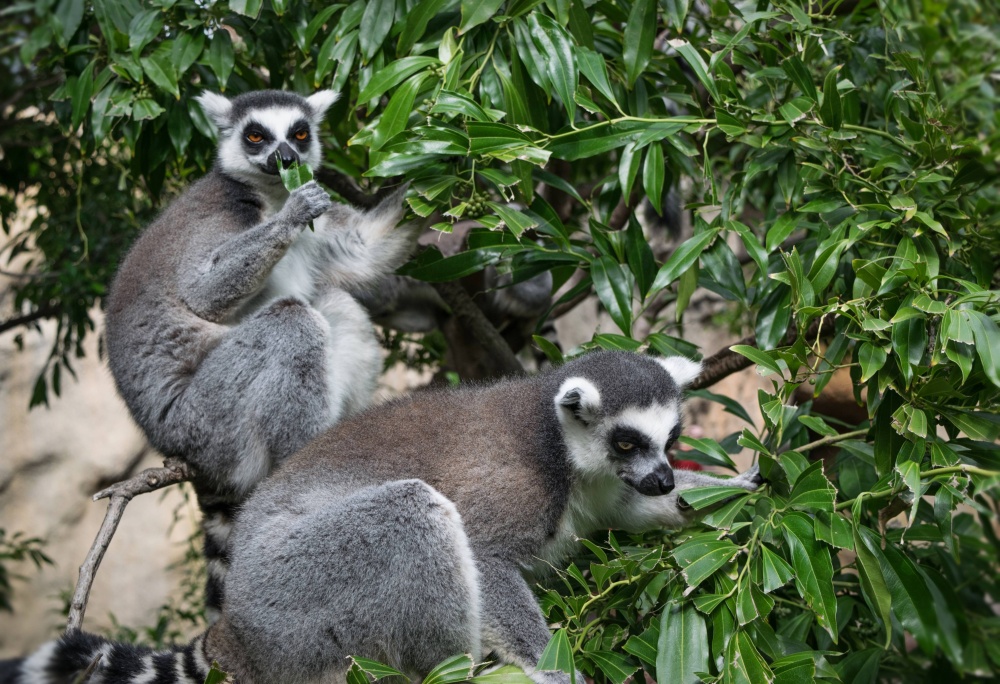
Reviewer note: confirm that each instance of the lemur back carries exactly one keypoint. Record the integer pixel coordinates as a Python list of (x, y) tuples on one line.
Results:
[(233, 332)]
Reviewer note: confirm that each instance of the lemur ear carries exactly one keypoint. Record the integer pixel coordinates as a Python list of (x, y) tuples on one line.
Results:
[(217, 107), (681, 369), (579, 398), (320, 101)]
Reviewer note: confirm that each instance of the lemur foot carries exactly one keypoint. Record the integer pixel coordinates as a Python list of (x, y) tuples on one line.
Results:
[(750, 479)]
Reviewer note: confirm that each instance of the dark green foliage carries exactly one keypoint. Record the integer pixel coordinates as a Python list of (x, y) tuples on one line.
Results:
[(850, 148), (15, 549)]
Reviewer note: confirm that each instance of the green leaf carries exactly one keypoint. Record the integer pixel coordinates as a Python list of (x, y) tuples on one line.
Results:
[(872, 359), (215, 675), (616, 667), (453, 670), (221, 57), (777, 573), (744, 664), (614, 289), (83, 91), (146, 109), (711, 449), (69, 13), (703, 497), (909, 472), (376, 669), (558, 656), (507, 674), (248, 8), (551, 351), (143, 28), (640, 30), (794, 111), (644, 646), (294, 176), (873, 585), (812, 490), (813, 570), (757, 356), (682, 649), (393, 75), (731, 405), (800, 76), (397, 113), (676, 11), (416, 22), (729, 124), (475, 12), (594, 67), (780, 230), (375, 25), (160, 69), (831, 111), (697, 64), (700, 559), (555, 43), (652, 176), (987, 336), (682, 259), (517, 221), (639, 256), (912, 602), (909, 341)]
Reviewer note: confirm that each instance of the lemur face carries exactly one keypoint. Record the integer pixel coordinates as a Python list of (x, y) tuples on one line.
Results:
[(623, 441), (258, 129)]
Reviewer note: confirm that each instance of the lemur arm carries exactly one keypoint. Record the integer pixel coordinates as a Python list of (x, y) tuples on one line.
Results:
[(512, 624), (216, 285), (639, 513)]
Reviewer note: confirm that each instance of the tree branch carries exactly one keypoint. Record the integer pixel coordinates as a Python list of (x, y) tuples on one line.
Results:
[(474, 320), (37, 314), (725, 362), (173, 472)]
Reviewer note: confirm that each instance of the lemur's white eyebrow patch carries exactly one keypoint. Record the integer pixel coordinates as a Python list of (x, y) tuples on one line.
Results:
[(656, 421)]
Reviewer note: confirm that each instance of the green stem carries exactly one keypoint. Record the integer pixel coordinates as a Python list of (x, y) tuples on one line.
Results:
[(832, 439), (934, 472)]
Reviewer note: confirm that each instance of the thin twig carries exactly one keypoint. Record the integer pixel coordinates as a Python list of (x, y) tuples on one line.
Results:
[(37, 314), (173, 472)]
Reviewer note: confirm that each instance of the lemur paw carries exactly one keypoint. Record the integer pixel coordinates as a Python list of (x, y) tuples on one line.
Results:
[(749, 479), (305, 203)]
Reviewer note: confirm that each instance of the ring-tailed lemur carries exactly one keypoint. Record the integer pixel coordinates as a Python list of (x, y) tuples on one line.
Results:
[(233, 331), (401, 534)]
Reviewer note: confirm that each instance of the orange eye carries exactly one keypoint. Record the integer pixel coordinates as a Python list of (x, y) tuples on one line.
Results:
[(254, 137), (302, 135)]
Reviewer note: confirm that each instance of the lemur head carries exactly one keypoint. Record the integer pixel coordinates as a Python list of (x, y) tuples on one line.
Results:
[(620, 413), (258, 128)]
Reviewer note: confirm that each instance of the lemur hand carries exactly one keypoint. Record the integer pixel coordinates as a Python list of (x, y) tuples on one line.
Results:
[(306, 203)]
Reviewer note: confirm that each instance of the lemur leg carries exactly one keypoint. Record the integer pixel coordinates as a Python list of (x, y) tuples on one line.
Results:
[(513, 625), (384, 573), (257, 397)]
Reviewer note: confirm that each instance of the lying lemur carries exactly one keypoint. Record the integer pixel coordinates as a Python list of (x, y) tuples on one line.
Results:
[(402, 533), (233, 331)]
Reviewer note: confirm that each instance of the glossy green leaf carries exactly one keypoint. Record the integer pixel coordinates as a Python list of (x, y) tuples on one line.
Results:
[(375, 25), (699, 560), (640, 30), (776, 571), (616, 667), (393, 75), (682, 259), (873, 584), (558, 656), (614, 288), (697, 64), (652, 176), (682, 649), (475, 12), (452, 671), (710, 449), (221, 57), (813, 570), (831, 110)]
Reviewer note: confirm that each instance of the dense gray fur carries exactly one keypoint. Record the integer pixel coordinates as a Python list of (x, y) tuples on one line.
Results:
[(233, 331), (352, 547), (404, 534)]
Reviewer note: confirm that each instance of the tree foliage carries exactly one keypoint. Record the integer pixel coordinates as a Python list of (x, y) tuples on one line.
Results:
[(849, 150)]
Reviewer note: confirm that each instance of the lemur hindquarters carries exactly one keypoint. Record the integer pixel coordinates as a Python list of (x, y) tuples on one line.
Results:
[(402, 534), (233, 332)]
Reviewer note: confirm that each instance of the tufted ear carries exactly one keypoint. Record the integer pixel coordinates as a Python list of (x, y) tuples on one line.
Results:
[(217, 107), (320, 101), (681, 369), (579, 398)]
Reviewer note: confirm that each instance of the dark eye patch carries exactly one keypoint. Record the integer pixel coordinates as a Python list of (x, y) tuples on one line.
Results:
[(627, 435), (298, 127), (254, 129), (674, 434)]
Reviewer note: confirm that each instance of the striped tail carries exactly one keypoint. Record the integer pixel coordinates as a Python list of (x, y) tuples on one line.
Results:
[(68, 660), (218, 512)]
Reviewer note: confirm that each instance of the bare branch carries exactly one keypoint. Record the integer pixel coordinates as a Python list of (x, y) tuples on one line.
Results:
[(725, 362), (474, 320), (173, 472), (37, 314)]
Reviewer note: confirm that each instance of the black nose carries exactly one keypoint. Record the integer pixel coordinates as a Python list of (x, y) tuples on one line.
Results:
[(286, 154), (657, 483)]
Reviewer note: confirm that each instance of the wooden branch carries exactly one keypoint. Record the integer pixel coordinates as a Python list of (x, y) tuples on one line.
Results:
[(474, 320), (37, 314), (173, 472), (725, 362)]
